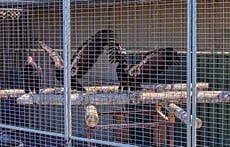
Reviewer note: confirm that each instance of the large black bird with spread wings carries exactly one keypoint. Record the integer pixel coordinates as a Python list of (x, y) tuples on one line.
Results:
[(152, 64), (85, 57), (130, 76)]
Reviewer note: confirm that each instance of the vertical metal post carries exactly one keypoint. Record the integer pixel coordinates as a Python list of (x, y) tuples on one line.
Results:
[(189, 22), (194, 71), (67, 71)]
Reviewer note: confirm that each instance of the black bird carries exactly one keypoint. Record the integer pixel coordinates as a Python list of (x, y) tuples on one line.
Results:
[(85, 57), (32, 76), (152, 64), (119, 55)]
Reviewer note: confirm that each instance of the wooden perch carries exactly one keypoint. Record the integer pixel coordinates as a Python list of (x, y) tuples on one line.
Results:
[(105, 89), (11, 93), (126, 98), (180, 97), (91, 116), (173, 87), (181, 114), (14, 93), (101, 89), (52, 91), (154, 87)]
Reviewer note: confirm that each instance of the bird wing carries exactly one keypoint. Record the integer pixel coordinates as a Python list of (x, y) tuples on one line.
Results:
[(90, 50), (155, 62)]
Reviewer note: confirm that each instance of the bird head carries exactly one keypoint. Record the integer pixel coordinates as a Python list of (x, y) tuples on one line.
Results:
[(29, 59), (122, 51)]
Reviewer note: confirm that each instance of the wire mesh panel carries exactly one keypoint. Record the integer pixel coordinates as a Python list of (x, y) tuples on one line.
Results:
[(129, 63), (27, 73), (213, 19), (127, 73)]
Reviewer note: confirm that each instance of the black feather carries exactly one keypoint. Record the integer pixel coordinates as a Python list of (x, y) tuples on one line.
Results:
[(32, 77), (86, 56), (152, 64)]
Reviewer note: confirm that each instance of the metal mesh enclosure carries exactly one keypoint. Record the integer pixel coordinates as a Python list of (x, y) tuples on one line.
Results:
[(213, 67), (22, 25), (114, 73), (141, 27)]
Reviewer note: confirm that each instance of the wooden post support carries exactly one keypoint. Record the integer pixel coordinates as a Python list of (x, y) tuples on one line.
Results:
[(170, 124), (90, 136), (158, 109), (171, 117), (171, 128), (121, 134), (159, 133)]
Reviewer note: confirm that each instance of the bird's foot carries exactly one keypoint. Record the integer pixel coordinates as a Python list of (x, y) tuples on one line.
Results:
[(79, 89), (124, 89)]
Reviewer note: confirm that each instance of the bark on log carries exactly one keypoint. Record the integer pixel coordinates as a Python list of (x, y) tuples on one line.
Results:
[(181, 114), (173, 87), (11, 93), (105, 89), (153, 87), (126, 98)]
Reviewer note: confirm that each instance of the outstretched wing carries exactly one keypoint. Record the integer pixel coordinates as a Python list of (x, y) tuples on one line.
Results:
[(154, 63), (89, 52)]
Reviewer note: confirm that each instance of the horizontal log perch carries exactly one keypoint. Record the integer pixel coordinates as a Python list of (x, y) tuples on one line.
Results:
[(12, 93), (126, 98), (173, 87), (153, 87), (181, 114)]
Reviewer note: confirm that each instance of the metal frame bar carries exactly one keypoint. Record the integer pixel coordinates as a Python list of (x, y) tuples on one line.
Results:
[(194, 71), (101, 142), (67, 71), (62, 136), (31, 130), (191, 72), (188, 102)]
